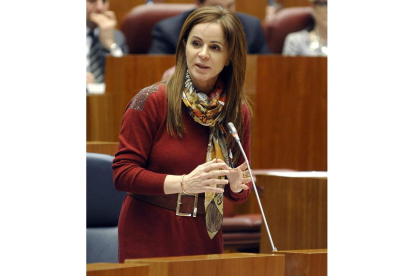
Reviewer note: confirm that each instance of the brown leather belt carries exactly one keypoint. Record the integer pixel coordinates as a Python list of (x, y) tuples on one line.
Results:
[(186, 205)]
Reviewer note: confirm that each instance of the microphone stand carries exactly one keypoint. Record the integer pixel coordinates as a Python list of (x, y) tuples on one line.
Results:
[(233, 131)]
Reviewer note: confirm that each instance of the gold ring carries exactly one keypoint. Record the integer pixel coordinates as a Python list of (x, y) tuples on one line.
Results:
[(245, 174)]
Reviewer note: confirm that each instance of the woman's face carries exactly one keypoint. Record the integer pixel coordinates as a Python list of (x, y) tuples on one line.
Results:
[(206, 55)]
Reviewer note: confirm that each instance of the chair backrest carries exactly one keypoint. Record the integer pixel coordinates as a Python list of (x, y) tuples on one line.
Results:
[(103, 207), (138, 23), (288, 20), (103, 200)]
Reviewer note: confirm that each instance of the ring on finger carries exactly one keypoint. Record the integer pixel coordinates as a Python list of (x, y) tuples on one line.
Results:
[(245, 174)]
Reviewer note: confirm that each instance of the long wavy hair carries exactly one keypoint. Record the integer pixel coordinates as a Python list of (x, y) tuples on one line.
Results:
[(232, 75)]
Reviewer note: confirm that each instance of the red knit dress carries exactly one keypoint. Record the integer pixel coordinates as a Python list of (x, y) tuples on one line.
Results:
[(146, 155)]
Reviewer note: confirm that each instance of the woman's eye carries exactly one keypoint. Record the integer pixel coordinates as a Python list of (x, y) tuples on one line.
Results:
[(215, 48), (196, 43)]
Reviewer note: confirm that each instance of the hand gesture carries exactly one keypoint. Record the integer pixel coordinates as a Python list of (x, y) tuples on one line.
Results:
[(90, 78), (106, 22), (204, 177), (238, 177)]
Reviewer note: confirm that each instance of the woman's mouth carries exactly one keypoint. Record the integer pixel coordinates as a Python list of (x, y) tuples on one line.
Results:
[(201, 66)]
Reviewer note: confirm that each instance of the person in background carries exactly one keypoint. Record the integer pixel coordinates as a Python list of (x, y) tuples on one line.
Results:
[(175, 158), (272, 7), (166, 32), (314, 40), (101, 39)]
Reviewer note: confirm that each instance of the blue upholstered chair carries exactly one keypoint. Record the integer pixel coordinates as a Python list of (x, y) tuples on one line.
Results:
[(103, 206)]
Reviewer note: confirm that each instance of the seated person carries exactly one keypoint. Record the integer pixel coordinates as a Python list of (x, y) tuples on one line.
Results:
[(272, 7), (312, 41), (166, 32), (101, 39)]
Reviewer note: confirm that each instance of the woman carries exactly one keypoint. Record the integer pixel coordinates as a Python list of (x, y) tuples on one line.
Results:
[(174, 156), (314, 40)]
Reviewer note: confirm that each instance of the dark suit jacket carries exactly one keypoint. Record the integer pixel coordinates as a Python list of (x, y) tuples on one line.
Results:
[(165, 34), (119, 40)]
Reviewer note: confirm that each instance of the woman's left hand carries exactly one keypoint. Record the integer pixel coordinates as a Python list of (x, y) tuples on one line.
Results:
[(237, 179)]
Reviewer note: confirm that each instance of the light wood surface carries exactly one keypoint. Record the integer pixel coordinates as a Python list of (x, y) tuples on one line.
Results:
[(109, 148), (296, 212), (254, 8), (101, 124), (114, 269), (221, 264), (306, 262), (294, 3), (125, 77), (290, 123)]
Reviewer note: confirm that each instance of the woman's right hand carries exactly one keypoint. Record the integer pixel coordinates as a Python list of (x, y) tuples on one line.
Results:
[(200, 179)]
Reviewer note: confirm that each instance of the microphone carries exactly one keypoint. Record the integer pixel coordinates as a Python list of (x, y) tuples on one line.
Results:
[(233, 131)]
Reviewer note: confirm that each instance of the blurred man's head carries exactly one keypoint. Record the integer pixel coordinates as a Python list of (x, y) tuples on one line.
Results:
[(95, 6), (225, 4)]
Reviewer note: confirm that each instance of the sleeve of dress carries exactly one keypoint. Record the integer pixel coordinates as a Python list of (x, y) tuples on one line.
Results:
[(243, 195), (139, 127)]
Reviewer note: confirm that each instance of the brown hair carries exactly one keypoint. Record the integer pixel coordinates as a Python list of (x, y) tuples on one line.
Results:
[(233, 75)]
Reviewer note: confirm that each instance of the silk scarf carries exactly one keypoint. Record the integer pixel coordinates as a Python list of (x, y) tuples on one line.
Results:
[(207, 111)]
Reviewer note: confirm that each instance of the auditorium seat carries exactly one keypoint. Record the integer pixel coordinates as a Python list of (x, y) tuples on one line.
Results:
[(103, 206), (138, 23), (288, 20)]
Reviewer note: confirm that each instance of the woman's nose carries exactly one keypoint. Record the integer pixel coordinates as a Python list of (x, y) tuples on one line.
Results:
[(204, 53)]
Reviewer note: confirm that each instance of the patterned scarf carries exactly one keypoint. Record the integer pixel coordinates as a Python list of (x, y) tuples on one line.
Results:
[(207, 110)]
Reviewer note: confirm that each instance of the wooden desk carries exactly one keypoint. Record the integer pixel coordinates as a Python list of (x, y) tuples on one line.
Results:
[(306, 262), (109, 148), (221, 264), (113, 269), (296, 211), (283, 263)]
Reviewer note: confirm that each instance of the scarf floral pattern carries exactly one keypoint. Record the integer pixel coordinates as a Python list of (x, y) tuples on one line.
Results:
[(207, 110)]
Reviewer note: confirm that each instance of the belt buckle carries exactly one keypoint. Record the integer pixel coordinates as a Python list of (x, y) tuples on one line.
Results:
[(177, 211)]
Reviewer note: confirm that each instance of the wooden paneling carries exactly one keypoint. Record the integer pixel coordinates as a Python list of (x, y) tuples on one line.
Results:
[(290, 122), (109, 148), (306, 262), (125, 77), (296, 212), (255, 8), (122, 7), (294, 3), (251, 76), (101, 124), (241, 264), (112, 269)]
